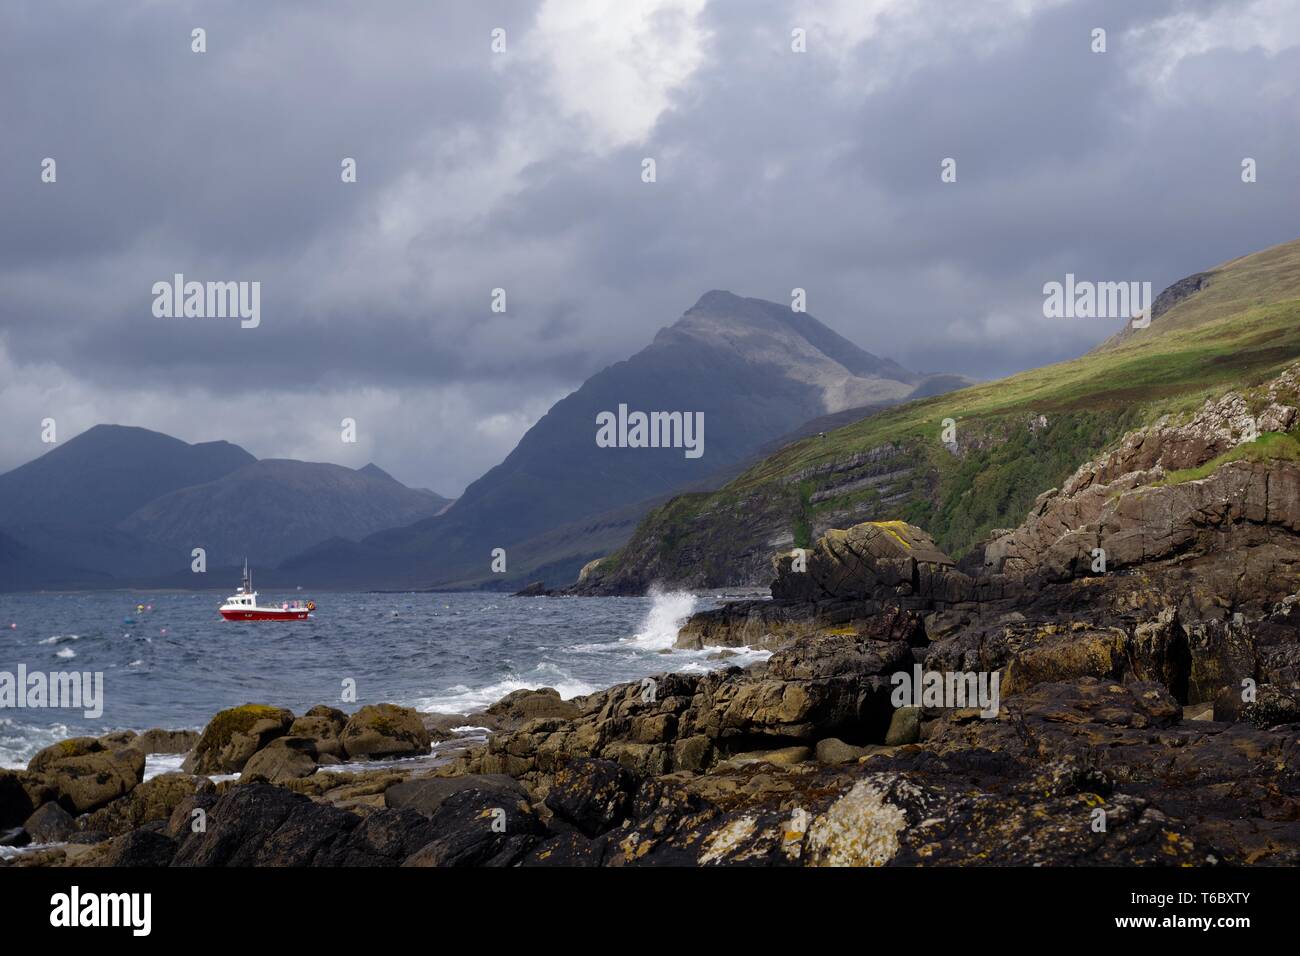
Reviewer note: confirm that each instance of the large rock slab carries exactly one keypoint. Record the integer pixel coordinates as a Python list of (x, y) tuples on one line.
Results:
[(827, 684), (592, 795), (154, 799), (50, 824), (1224, 538), (384, 838), (160, 741), (84, 774), (284, 758), (21, 793), (875, 560), (426, 794), (234, 735), (475, 828), (385, 730), (264, 825), (524, 705)]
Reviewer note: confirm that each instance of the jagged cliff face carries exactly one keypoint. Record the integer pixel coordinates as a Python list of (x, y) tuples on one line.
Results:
[(1208, 492), (1200, 516), (730, 540), (993, 472)]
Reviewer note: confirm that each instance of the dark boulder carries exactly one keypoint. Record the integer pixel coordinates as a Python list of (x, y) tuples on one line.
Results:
[(139, 848), (567, 849), (50, 824), (426, 794), (264, 825), (21, 793), (384, 838), (592, 795), (475, 828)]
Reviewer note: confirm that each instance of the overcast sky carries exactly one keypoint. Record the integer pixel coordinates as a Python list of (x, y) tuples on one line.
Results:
[(522, 170)]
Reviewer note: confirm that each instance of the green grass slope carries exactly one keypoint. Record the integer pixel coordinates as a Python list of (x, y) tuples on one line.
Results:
[(1016, 437)]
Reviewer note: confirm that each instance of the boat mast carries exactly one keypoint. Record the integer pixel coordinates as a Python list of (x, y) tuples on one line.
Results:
[(248, 578)]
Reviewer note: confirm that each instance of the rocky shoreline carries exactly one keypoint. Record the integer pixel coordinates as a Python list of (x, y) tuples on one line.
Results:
[(1146, 711)]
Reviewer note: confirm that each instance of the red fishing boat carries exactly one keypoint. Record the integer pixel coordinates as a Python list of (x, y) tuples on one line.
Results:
[(243, 606)]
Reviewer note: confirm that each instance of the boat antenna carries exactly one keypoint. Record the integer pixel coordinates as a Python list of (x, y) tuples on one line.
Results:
[(248, 578)]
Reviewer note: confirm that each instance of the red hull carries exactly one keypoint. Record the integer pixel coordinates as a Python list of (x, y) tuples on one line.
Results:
[(266, 614)]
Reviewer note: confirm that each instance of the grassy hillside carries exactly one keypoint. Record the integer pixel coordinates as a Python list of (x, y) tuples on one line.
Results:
[(1016, 437)]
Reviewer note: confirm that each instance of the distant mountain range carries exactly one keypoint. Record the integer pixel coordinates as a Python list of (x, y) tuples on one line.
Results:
[(120, 506), (282, 507)]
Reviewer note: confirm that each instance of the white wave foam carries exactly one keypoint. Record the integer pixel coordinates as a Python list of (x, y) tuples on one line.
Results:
[(17, 852), (704, 660), (60, 639), (155, 764), (20, 742), (466, 700), (67, 653), (668, 612)]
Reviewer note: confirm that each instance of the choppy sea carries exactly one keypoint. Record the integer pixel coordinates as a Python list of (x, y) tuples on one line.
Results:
[(169, 660)]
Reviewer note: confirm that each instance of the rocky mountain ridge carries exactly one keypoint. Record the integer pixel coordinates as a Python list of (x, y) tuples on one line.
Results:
[(755, 370), (121, 506)]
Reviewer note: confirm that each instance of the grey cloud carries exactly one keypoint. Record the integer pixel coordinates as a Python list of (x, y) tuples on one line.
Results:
[(775, 170)]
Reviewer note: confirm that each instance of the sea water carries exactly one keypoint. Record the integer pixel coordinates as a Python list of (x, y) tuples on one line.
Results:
[(175, 663)]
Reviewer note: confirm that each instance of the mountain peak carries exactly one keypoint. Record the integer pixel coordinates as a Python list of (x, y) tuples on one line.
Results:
[(134, 439), (109, 432), (720, 303), (716, 299), (763, 332), (106, 472)]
